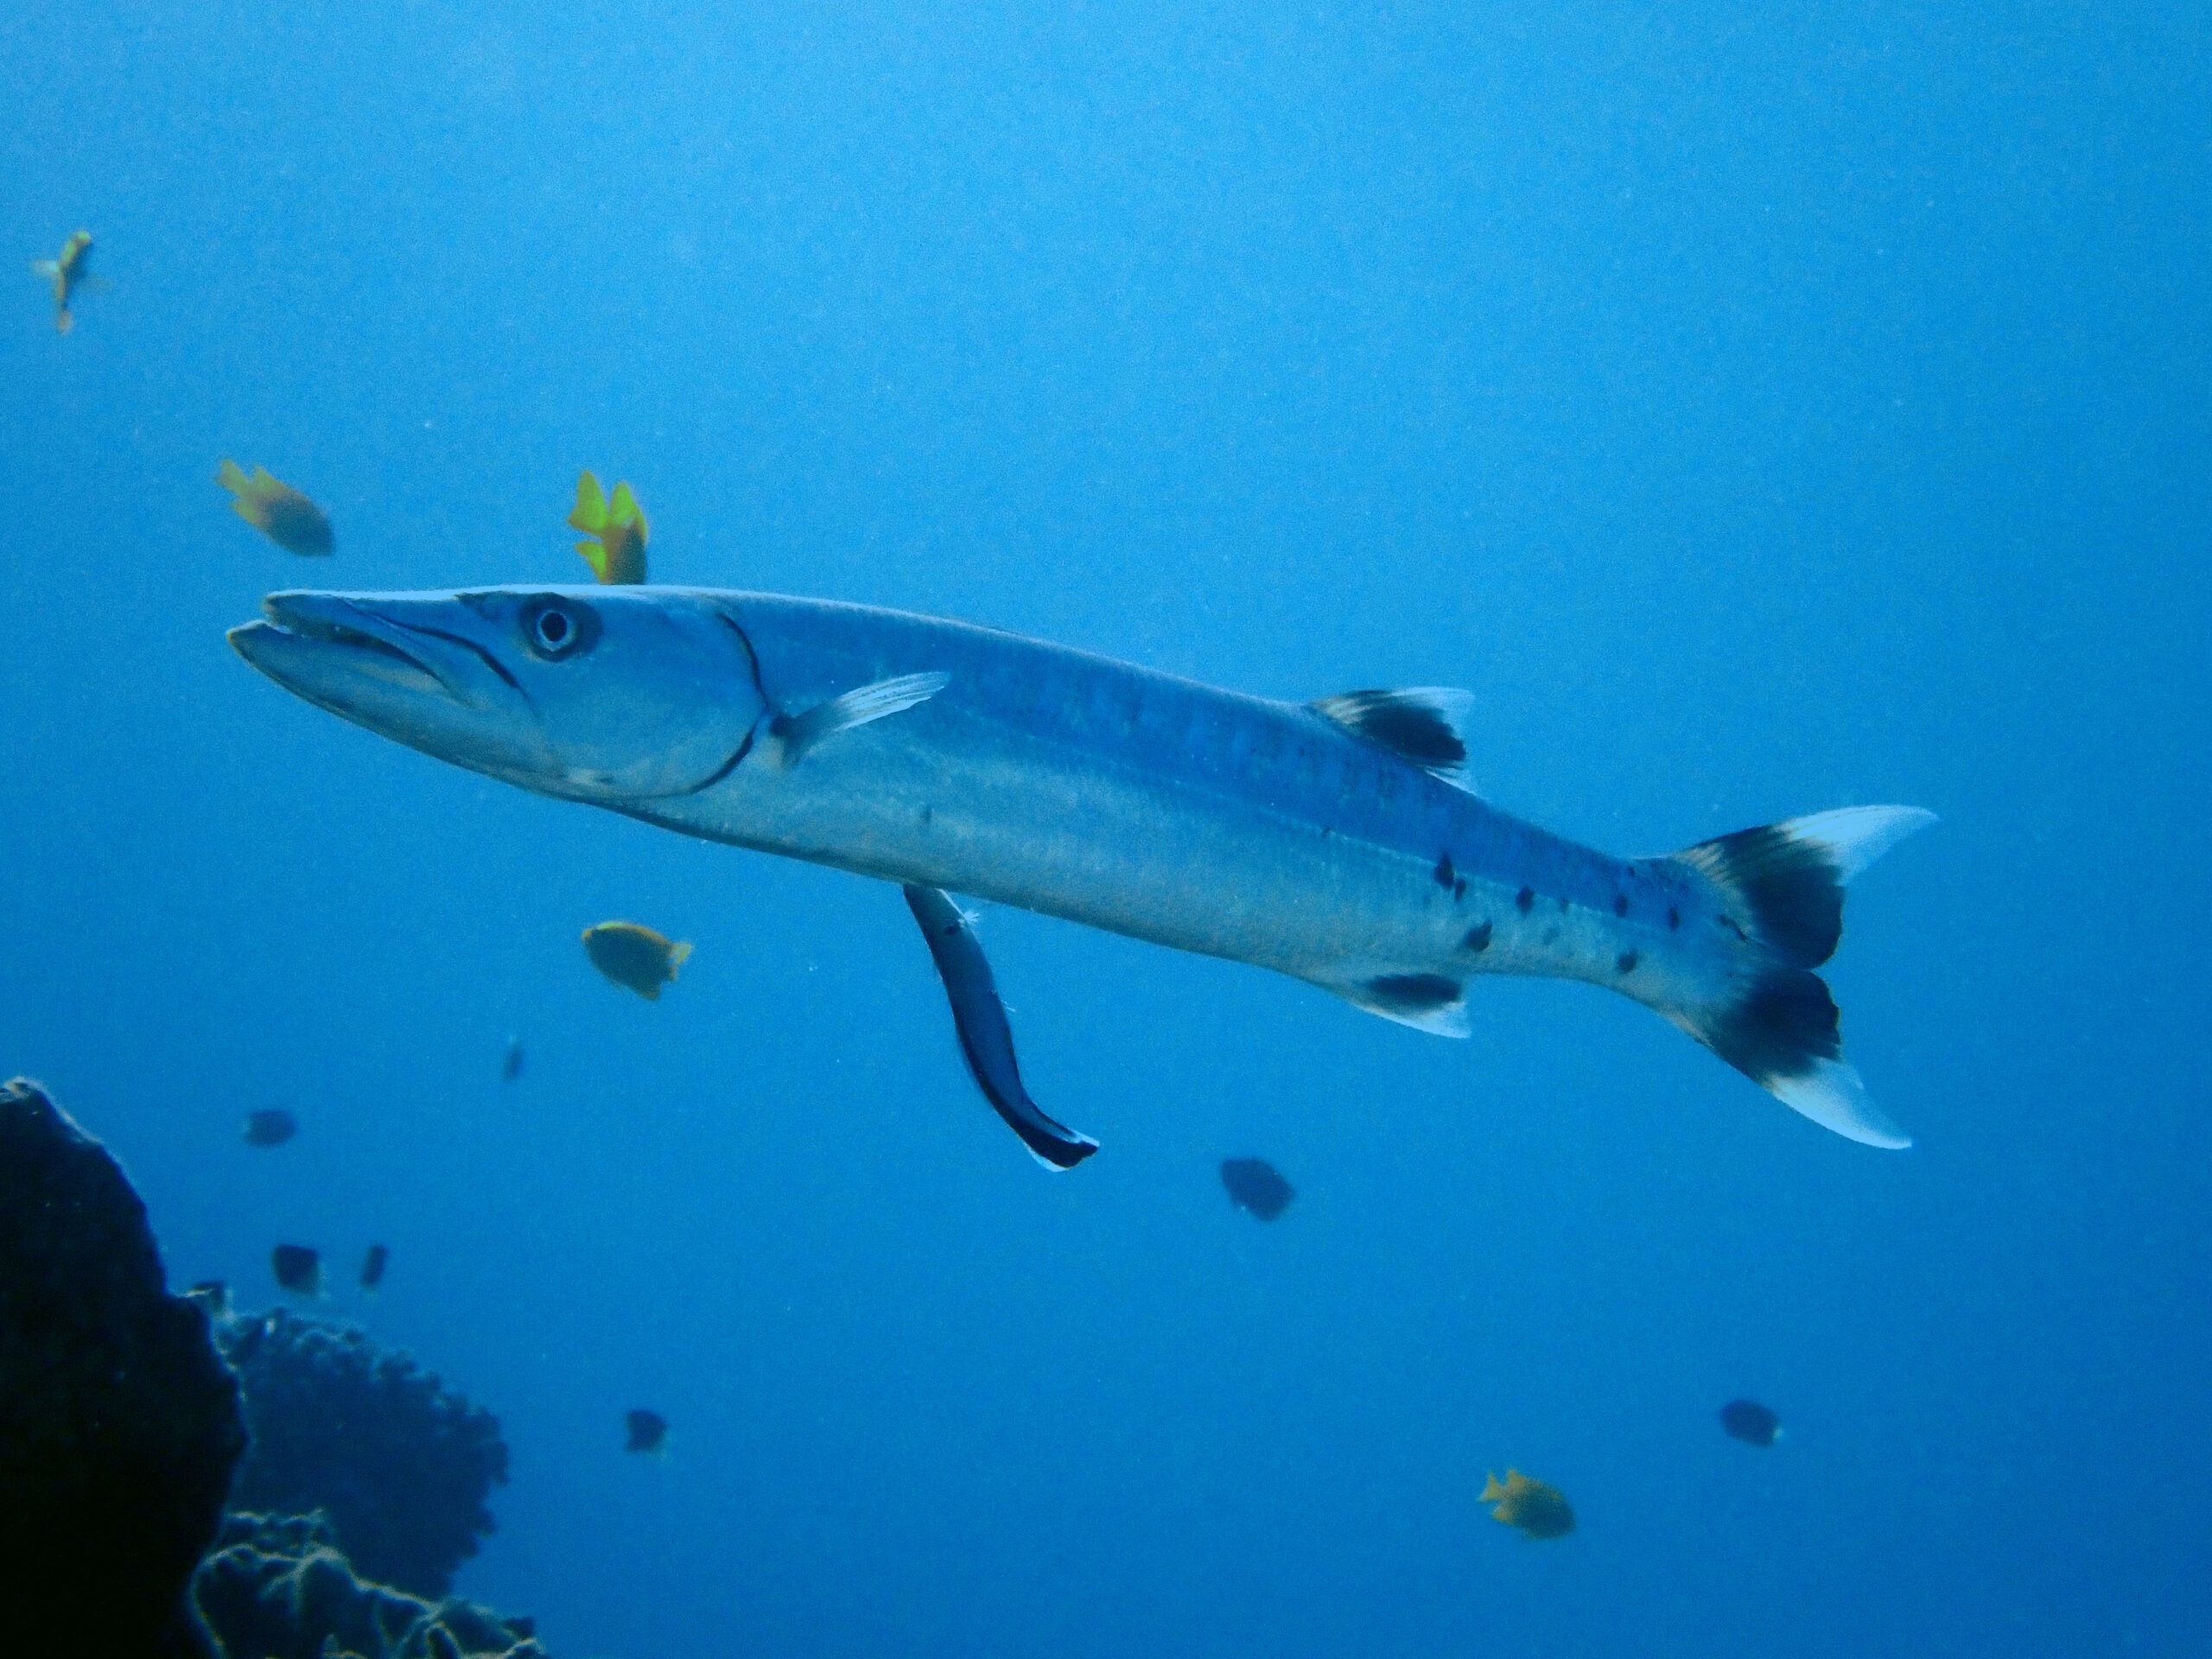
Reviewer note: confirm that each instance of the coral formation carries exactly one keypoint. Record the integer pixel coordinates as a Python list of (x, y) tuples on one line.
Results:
[(401, 1464), (279, 1588), (118, 1425)]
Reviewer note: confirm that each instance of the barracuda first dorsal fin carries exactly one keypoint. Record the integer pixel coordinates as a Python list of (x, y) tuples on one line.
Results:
[(1421, 723)]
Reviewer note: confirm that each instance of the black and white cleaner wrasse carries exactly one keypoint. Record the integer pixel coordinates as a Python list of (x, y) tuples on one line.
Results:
[(1335, 841)]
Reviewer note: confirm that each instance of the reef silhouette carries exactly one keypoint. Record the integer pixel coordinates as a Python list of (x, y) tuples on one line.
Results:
[(121, 1428), (118, 1425)]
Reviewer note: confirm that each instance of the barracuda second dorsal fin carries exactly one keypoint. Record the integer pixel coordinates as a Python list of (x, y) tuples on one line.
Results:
[(1422, 723)]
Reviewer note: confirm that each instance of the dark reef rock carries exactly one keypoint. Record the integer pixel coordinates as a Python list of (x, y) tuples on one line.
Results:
[(401, 1464), (118, 1425), (278, 1588)]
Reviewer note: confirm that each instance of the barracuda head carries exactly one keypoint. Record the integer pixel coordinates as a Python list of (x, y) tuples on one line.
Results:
[(592, 694)]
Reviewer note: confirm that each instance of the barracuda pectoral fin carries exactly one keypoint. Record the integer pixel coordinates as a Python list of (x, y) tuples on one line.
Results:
[(1435, 1003), (986, 1040), (799, 733), (1424, 724)]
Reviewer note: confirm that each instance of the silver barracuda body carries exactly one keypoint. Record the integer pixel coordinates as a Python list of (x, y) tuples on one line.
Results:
[(1334, 841)]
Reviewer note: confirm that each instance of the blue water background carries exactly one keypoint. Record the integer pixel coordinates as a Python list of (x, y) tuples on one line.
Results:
[(1759, 409)]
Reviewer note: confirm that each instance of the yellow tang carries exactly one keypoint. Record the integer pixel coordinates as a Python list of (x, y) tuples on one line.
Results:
[(634, 957), (1538, 1510), (278, 511), (619, 554), (67, 273)]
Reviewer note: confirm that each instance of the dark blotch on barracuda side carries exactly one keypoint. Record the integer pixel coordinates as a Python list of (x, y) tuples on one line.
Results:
[(1625, 962), (1477, 937), (1444, 873), (1751, 1422), (1255, 1185), (1525, 900), (1674, 917), (647, 1431), (1620, 904)]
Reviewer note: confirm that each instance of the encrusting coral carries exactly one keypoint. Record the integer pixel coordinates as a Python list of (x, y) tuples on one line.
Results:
[(278, 1588)]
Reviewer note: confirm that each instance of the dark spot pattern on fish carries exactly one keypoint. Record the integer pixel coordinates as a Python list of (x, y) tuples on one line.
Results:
[(1620, 905), (1625, 963), (1674, 918), (1477, 937), (1525, 900), (1444, 874)]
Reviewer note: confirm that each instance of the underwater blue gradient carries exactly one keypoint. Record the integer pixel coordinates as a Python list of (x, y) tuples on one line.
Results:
[(1760, 409)]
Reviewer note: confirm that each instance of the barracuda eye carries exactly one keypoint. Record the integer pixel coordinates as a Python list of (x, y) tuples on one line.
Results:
[(556, 629)]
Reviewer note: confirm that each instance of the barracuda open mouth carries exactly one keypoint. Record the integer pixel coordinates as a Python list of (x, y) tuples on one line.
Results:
[(321, 653)]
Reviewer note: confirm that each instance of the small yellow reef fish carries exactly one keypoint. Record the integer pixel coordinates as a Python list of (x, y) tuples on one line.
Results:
[(619, 554), (634, 957), (278, 511), (1538, 1510), (66, 274)]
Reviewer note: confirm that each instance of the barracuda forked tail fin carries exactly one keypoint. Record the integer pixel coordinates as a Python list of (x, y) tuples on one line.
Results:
[(1784, 884)]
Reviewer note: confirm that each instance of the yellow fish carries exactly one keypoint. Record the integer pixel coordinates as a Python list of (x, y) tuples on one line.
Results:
[(1538, 1510), (278, 511), (617, 556), (67, 273), (634, 957)]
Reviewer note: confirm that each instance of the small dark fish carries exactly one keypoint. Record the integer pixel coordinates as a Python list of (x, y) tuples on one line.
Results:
[(372, 1267), (271, 1127), (1751, 1422), (511, 1067), (1253, 1185), (634, 956), (278, 511), (298, 1268), (648, 1431), (1538, 1510)]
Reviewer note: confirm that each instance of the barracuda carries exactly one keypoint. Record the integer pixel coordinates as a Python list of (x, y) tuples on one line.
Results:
[(1335, 841)]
